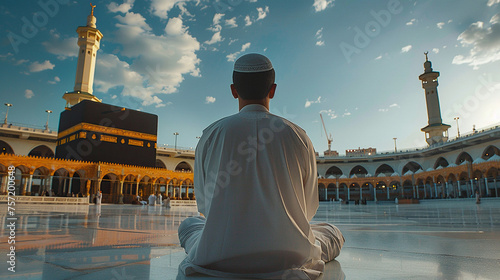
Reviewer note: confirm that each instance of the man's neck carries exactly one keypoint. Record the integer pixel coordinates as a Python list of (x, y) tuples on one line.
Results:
[(264, 102)]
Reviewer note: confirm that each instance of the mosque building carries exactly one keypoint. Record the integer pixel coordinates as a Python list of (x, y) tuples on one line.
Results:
[(98, 147), (81, 158)]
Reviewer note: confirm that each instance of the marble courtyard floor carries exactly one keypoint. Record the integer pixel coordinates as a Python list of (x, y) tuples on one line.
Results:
[(432, 240)]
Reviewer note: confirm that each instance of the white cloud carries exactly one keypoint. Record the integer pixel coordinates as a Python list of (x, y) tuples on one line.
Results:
[(309, 103), (262, 13), (484, 42), (232, 56), (155, 64), (55, 81), (440, 25), (393, 105), (320, 5), (330, 113), (346, 114), (411, 22), (406, 49), (435, 50), (63, 48), (378, 57), (122, 8), (216, 27), (231, 22), (37, 66), (28, 94), (215, 39), (160, 8), (248, 21), (209, 99), (319, 37), (492, 2)]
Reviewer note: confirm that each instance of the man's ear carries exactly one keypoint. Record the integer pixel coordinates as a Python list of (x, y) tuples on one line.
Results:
[(234, 92), (272, 91)]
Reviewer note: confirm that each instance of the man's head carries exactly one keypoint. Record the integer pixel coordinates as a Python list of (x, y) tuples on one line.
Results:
[(253, 78)]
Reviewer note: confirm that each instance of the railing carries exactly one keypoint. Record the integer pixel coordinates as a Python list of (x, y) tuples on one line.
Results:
[(47, 200), (27, 127)]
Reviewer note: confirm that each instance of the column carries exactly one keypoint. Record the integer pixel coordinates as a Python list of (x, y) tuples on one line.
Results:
[(447, 190), (137, 187), (64, 187), (348, 193), (120, 194), (435, 190), (388, 195), (413, 187), (360, 192), (25, 184), (495, 184), (418, 193), (472, 188), (486, 186), (375, 192), (30, 183), (337, 194), (326, 193), (70, 184), (4, 184), (459, 193)]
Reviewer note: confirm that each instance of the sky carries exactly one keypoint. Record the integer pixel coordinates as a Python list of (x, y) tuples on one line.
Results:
[(355, 62)]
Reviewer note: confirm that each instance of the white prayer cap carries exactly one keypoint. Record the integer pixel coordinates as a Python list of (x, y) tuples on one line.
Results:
[(252, 63)]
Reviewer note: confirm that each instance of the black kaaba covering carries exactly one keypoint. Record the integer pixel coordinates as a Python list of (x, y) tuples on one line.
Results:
[(93, 131)]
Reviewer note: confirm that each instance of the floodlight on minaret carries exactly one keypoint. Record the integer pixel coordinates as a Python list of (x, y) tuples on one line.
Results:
[(436, 131), (89, 38)]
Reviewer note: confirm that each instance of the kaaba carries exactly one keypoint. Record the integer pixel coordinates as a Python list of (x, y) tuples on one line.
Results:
[(99, 132)]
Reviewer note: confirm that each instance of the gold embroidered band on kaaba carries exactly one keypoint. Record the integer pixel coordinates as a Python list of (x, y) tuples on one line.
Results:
[(107, 130)]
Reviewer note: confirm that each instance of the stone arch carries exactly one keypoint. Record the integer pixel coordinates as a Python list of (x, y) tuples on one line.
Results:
[(41, 151), (395, 190), (419, 186), (441, 187), (333, 171), (489, 152), (358, 170), (183, 166), (40, 181), (411, 166), (173, 187), (5, 148), (160, 164), (385, 169), (60, 182), (441, 162), (109, 187), (407, 189), (343, 191), (186, 185), (462, 157), (381, 190)]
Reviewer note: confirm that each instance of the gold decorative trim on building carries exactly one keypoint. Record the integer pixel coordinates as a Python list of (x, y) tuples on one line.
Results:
[(107, 138), (83, 134), (107, 130), (135, 143)]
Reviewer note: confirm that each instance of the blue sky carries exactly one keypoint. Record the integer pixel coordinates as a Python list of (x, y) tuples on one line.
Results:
[(355, 62)]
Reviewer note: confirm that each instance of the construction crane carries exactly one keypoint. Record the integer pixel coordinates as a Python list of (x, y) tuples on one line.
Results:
[(328, 137)]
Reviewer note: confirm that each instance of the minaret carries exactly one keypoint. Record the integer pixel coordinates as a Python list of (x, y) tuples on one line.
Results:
[(436, 131), (89, 38)]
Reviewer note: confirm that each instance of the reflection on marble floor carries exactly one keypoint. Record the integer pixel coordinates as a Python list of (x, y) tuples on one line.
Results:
[(432, 240)]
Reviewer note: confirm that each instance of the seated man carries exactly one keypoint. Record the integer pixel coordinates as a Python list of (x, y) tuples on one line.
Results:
[(256, 186)]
